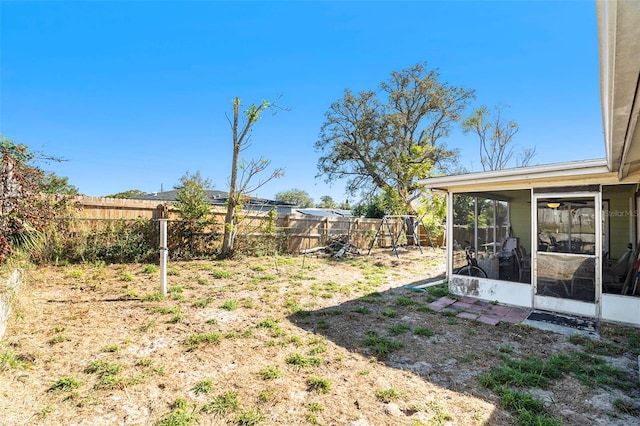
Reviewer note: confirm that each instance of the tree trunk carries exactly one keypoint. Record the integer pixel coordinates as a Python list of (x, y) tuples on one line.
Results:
[(230, 217)]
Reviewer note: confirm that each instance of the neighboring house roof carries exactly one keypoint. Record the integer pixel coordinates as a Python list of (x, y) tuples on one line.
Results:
[(325, 212), (213, 196)]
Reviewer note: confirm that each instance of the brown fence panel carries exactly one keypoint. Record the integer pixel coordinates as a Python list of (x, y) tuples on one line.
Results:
[(299, 232)]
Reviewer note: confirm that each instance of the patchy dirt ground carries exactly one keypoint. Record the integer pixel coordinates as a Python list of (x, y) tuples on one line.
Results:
[(272, 341)]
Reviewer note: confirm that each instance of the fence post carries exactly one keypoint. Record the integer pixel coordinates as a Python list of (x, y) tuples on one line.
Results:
[(164, 254)]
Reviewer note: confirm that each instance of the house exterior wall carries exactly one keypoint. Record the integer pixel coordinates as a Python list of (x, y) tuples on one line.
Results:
[(520, 216), (622, 309), (510, 293), (621, 219)]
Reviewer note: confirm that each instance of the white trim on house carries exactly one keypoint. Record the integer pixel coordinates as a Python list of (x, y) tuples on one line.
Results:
[(498, 179)]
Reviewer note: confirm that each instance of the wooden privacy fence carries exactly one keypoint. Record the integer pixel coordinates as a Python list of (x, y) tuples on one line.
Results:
[(300, 232)]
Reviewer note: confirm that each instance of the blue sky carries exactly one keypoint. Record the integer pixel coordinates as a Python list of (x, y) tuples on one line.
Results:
[(134, 94)]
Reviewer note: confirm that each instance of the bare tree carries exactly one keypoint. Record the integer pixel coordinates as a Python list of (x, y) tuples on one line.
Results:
[(496, 138), (243, 171)]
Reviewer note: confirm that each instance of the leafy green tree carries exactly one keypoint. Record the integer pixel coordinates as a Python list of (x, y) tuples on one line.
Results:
[(345, 205), (326, 202), (194, 209), (496, 138), (191, 199), (54, 184), (386, 140), (243, 173), (130, 193), (295, 196)]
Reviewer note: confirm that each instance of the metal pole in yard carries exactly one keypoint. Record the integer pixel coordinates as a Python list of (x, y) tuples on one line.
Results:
[(164, 254)]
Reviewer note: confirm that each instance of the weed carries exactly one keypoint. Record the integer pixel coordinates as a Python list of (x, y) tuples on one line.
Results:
[(58, 338), (132, 294), (266, 395), (397, 329), (203, 281), (229, 305), (146, 327), (597, 347), (175, 289), (75, 273), (626, 407), (249, 418), (404, 301), (313, 419), (212, 321), (389, 313), (177, 318), (248, 303), (9, 360), (423, 331), (389, 395), (469, 356), (505, 348), (631, 335), (107, 373), (164, 311), (144, 362), (127, 276), (362, 310), (58, 328), (202, 303), (267, 277), (270, 373), (223, 404), (111, 348), (315, 407), (271, 324), (315, 350), (103, 368), (202, 387), (180, 415), (173, 271), (221, 274), (296, 340), (319, 384), (149, 269), (153, 297), (519, 401), (425, 308), (438, 291), (195, 340), (449, 313), (299, 361), (65, 384), (381, 346), (374, 297), (322, 324)]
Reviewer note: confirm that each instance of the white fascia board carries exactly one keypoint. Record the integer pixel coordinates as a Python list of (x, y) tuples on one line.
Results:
[(606, 39), (541, 172)]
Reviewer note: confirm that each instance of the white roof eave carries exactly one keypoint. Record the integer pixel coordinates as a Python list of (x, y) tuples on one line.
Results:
[(498, 178)]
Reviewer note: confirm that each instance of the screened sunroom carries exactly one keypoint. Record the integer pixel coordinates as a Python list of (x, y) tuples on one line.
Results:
[(560, 238)]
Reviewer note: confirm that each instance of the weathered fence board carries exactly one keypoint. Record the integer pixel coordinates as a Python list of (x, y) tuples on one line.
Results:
[(302, 232)]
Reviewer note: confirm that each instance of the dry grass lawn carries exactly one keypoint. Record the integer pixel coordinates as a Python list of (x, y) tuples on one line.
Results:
[(274, 341)]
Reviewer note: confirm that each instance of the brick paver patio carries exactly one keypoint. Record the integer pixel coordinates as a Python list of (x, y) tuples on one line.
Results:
[(480, 310)]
